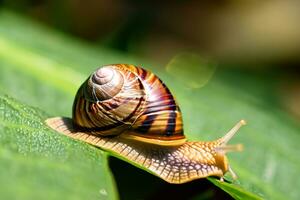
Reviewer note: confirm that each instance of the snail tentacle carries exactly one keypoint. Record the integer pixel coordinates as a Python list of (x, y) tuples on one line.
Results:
[(223, 146)]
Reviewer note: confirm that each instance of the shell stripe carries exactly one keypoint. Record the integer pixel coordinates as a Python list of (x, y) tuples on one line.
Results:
[(86, 119), (113, 125), (114, 105), (147, 123), (98, 108), (171, 105), (89, 113), (106, 110), (164, 102), (171, 125), (167, 105), (87, 116), (135, 110), (144, 74), (118, 101)]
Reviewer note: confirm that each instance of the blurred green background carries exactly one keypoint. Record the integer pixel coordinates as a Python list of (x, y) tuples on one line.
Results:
[(47, 48), (232, 31), (259, 36)]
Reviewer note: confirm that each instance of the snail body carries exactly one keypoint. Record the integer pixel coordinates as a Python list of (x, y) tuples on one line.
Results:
[(129, 112)]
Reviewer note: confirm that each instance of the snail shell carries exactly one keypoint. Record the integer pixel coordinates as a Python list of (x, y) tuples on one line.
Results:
[(129, 112), (128, 101)]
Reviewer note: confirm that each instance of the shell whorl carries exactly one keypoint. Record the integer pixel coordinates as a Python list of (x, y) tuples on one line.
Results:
[(103, 84), (130, 100)]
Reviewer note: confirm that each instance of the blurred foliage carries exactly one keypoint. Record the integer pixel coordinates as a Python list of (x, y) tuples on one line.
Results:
[(191, 70), (42, 68), (232, 31)]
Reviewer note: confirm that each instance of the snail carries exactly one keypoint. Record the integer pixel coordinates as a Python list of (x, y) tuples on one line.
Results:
[(129, 112)]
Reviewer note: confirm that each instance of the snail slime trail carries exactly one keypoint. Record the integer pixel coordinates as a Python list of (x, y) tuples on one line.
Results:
[(129, 112)]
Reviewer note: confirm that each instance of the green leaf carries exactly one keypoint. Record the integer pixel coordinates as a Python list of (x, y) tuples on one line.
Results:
[(235, 191), (37, 163), (43, 68)]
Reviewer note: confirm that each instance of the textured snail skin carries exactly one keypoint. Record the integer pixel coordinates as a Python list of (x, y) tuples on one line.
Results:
[(174, 160)]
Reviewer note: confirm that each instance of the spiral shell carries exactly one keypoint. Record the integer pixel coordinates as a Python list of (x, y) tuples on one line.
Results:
[(128, 100)]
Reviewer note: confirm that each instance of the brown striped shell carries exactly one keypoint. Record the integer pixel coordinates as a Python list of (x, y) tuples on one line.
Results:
[(128, 100)]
